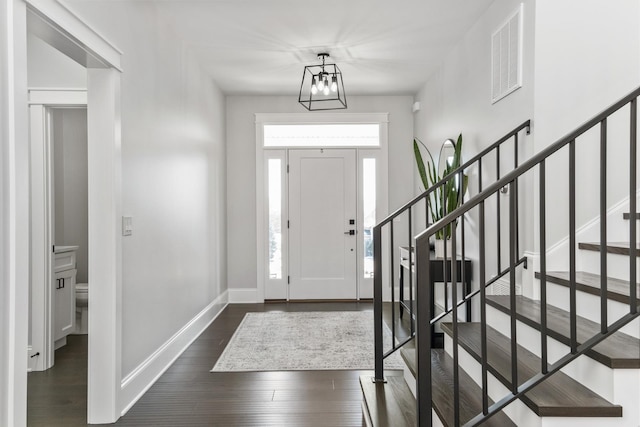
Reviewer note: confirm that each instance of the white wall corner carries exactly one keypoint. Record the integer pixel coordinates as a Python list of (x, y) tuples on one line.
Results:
[(244, 296), (147, 373)]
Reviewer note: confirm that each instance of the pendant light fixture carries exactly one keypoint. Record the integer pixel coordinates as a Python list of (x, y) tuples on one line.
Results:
[(322, 87)]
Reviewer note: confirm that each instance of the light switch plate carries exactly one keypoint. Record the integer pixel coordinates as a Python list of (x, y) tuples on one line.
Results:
[(127, 225)]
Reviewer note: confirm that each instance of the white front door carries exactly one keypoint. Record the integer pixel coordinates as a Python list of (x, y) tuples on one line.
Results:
[(322, 215)]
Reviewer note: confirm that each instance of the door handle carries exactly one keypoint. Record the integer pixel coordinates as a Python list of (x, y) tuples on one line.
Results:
[(350, 232)]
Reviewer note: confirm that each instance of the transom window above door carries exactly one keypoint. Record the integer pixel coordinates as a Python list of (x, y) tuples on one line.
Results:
[(322, 135)]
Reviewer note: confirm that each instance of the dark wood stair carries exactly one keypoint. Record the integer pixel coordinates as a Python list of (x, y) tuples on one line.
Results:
[(617, 290), (442, 389), (619, 351), (558, 396), (620, 248), (389, 404)]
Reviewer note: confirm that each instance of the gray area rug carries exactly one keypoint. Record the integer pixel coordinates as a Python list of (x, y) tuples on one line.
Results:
[(276, 341)]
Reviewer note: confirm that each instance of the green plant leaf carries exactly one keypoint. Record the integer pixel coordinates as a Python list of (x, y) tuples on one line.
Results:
[(420, 164)]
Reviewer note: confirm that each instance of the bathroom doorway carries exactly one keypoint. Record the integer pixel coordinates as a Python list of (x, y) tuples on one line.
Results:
[(59, 253), (59, 219)]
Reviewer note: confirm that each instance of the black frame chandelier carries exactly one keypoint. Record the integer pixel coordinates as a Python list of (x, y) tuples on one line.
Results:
[(322, 87)]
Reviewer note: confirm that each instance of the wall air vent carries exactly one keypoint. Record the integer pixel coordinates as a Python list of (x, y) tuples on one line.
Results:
[(506, 57)]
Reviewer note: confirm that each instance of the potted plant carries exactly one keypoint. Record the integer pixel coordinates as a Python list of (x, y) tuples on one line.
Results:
[(448, 196)]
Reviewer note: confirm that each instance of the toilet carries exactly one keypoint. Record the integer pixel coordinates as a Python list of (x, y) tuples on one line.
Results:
[(82, 306)]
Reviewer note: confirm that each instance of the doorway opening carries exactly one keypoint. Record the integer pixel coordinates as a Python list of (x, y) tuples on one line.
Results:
[(59, 222)]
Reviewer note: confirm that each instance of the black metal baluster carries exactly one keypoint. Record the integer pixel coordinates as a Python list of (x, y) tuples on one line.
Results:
[(411, 262), (444, 261), (483, 312), (454, 317), (480, 175), (543, 268), (393, 292), (632, 206), (377, 301), (499, 249), (423, 332), (573, 331), (515, 165), (512, 290), (603, 227)]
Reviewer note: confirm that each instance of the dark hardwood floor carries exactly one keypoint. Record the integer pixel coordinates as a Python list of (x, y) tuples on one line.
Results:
[(189, 395)]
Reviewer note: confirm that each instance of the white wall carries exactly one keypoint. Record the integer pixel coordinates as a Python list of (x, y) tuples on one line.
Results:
[(48, 68), (4, 220), (14, 220), (173, 177), (70, 183), (587, 57), (241, 179), (457, 99)]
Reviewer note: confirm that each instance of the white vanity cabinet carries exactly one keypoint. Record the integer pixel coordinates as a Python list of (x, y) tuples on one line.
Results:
[(64, 294)]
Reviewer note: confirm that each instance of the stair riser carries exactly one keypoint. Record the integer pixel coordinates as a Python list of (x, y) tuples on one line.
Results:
[(588, 306), (592, 374), (525, 417), (617, 265)]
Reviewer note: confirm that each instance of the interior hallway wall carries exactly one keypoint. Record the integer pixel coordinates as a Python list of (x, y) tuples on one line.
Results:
[(241, 179), (457, 99), (173, 177), (587, 58)]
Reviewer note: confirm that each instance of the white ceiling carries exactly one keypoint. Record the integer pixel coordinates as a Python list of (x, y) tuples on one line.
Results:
[(261, 46)]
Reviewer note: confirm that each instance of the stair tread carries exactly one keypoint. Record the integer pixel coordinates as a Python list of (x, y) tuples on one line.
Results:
[(557, 396), (620, 248), (618, 351), (390, 404), (617, 290), (442, 389)]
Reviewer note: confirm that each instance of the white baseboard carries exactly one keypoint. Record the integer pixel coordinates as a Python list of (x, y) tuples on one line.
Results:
[(147, 373), (244, 296)]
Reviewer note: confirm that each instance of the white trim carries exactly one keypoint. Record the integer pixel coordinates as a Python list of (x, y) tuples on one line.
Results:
[(104, 246), (66, 23), (244, 296), (305, 118), (41, 233), (15, 238), (135, 385), (58, 97)]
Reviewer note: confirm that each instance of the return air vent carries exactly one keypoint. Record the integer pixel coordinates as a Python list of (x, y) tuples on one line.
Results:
[(506, 57)]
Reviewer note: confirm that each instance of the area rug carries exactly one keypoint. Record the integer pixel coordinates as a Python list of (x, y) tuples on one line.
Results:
[(277, 341)]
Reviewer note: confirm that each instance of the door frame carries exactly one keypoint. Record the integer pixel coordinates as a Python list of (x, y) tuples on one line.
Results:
[(62, 29), (41, 101), (262, 119)]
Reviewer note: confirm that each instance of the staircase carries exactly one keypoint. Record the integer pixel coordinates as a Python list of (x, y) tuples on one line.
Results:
[(563, 352)]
